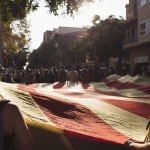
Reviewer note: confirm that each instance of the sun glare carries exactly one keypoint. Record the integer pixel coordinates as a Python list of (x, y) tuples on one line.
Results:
[(41, 20)]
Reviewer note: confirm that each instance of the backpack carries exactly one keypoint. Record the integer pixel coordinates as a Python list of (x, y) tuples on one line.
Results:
[(63, 75)]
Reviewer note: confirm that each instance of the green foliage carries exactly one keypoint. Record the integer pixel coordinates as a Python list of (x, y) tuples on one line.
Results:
[(43, 56), (12, 10), (69, 6), (20, 59), (15, 35), (103, 39), (33, 59), (18, 9)]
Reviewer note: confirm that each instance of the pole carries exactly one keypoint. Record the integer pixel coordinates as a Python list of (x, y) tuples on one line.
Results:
[(1, 47)]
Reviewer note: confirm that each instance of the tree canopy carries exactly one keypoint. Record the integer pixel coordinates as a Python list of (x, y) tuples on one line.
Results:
[(15, 35), (18, 9), (43, 56), (103, 40)]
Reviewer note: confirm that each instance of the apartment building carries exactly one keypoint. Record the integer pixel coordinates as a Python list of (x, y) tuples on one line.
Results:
[(68, 34), (46, 36), (137, 25)]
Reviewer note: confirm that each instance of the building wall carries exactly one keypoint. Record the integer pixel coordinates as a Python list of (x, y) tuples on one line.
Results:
[(139, 50), (129, 9), (131, 27), (140, 56), (64, 30), (112, 62), (47, 35), (144, 17), (73, 36)]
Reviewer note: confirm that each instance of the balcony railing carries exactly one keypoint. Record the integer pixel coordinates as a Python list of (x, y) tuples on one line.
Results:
[(130, 40), (131, 15)]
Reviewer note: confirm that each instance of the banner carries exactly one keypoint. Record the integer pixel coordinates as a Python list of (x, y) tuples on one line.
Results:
[(109, 111)]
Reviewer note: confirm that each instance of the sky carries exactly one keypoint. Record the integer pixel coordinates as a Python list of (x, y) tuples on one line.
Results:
[(42, 20)]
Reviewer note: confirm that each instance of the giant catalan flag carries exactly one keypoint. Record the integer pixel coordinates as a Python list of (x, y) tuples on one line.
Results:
[(109, 111)]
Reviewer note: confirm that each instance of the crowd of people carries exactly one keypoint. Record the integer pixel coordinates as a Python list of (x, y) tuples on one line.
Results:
[(51, 75), (30, 76)]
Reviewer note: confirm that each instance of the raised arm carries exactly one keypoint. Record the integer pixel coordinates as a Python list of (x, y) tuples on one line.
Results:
[(14, 122)]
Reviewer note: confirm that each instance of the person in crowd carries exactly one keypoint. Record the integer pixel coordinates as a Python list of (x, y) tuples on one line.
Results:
[(37, 76), (73, 75), (85, 76), (18, 76), (23, 76), (96, 74), (42, 73), (135, 71), (55, 72), (144, 71), (131, 145), (13, 125), (124, 71), (9, 78), (148, 71), (51, 77), (80, 75), (30, 78), (62, 75), (46, 79)]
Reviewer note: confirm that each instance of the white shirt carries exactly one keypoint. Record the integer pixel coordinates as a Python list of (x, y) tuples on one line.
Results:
[(73, 75)]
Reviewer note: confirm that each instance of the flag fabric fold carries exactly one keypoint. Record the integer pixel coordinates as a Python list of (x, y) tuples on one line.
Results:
[(112, 110)]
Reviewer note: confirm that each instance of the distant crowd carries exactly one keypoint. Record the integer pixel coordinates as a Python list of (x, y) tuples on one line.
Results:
[(51, 75)]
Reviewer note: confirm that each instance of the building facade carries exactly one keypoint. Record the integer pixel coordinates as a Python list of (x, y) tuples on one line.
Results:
[(137, 25), (68, 35), (47, 35)]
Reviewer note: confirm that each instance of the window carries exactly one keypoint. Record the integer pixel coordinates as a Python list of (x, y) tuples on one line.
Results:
[(142, 28), (143, 2), (135, 9)]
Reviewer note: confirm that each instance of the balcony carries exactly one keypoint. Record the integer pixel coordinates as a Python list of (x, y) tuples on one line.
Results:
[(130, 40), (131, 15)]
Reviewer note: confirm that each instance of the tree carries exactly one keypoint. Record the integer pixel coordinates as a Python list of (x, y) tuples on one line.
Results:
[(11, 10), (33, 59), (96, 19), (43, 56), (18, 60), (103, 39), (16, 41), (18, 9), (107, 37), (15, 35)]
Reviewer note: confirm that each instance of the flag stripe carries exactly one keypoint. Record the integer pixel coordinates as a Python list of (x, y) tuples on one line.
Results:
[(108, 111), (74, 118)]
